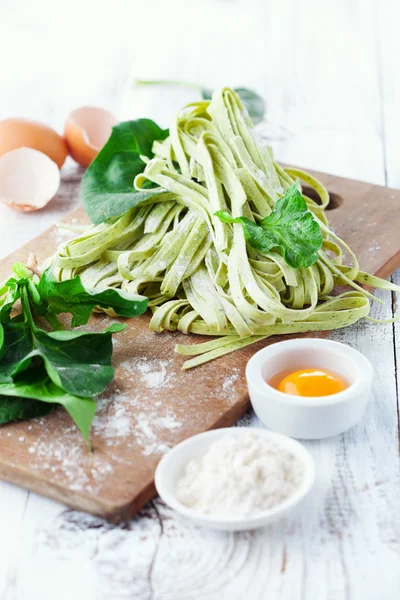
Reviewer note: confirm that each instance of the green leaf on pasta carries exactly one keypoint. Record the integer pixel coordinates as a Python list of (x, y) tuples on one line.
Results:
[(290, 228), (107, 186)]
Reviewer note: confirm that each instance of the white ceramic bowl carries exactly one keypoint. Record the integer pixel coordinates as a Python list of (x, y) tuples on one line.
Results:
[(172, 464), (306, 417)]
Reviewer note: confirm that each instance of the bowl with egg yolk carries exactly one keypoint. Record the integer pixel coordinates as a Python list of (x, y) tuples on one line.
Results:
[(309, 388)]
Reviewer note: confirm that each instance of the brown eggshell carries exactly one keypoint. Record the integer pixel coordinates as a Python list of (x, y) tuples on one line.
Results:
[(18, 133), (86, 131), (29, 179)]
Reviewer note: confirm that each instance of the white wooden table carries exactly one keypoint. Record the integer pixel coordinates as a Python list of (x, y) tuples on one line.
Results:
[(329, 72)]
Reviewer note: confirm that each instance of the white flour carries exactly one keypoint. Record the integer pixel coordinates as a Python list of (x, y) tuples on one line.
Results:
[(112, 420), (239, 476), (116, 421), (153, 373), (146, 432)]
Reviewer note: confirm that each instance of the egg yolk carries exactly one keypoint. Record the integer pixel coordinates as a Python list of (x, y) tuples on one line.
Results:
[(309, 382)]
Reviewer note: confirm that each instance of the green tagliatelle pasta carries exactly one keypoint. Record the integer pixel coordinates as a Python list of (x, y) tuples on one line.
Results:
[(199, 273)]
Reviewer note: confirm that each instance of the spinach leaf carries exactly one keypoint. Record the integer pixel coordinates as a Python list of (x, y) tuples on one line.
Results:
[(15, 349), (10, 290), (57, 367), (252, 102), (71, 296), (36, 385), (16, 409), (107, 186), (77, 362), (290, 227)]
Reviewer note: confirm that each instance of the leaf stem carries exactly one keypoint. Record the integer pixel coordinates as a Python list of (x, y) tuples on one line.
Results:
[(26, 307), (54, 321), (34, 292), (188, 84), (21, 271)]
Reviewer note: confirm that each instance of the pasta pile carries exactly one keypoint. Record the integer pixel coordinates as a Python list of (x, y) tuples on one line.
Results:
[(199, 273)]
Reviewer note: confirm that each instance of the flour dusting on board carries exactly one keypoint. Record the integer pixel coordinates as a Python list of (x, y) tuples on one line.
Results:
[(146, 432), (153, 373), (230, 381), (112, 419), (67, 458), (115, 419), (134, 418)]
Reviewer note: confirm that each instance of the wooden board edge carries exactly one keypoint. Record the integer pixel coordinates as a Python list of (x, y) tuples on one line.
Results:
[(78, 500), (389, 267)]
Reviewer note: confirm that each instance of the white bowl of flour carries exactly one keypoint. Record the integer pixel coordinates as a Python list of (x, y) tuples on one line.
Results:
[(235, 479)]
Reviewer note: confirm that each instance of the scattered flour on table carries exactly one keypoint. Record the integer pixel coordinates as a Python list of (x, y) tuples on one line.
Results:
[(161, 374), (374, 248), (67, 458), (112, 420), (230, 380), (115, 419), (146, 432), (153, 373)]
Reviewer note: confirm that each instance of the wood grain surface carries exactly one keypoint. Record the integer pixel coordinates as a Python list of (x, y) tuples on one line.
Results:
[(152, 404), (329, 73)]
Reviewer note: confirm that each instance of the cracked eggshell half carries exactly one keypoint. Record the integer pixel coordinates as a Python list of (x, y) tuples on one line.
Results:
[(86, 131), (29, 179)]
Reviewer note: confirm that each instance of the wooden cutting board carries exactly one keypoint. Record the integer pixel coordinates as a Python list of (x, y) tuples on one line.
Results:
[(152, 405)]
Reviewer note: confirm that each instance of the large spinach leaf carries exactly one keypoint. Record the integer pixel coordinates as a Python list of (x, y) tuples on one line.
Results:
[(78, 362), (72, 297), (15, 349), (107, 186), (56, 367), (15, 408), (36, 385)]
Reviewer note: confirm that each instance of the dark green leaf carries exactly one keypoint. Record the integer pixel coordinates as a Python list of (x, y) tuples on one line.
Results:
[(290, 227), (107, 186), (37, 386), (206, 93), (78, 362), (15, 350), (17, 409), (252, 102), (72, 297), (59, 367)]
